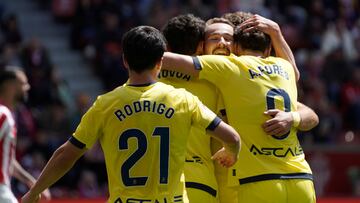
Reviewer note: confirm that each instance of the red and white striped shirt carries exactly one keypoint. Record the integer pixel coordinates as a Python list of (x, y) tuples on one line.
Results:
[(7, 144)]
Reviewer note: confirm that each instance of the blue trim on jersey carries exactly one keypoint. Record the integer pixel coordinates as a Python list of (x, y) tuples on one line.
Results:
[(263, 177), (196, 62), (76, 142), (282, 136), (178, 198), (141, 85), (214, 124), (202, 187)]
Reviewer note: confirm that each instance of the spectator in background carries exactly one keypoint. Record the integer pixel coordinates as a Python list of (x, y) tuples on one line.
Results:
[(88, 185), (10, 30), (354, 177), (350, 100), (82, 104), (84, 26), (110, 66), (38, 68), (9, 55), (56, 124)]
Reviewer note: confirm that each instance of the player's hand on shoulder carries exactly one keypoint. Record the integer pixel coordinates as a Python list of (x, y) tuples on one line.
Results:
[(280, 122), (225, 158)]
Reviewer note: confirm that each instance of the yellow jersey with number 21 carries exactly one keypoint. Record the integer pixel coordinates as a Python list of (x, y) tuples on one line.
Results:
[(143, 131)]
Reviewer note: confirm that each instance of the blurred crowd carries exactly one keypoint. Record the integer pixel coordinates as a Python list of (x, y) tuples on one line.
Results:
[(323, 34)]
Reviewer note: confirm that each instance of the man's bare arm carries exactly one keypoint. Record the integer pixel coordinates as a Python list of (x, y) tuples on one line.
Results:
[(271, 28), (228, 155), (179, 62), (281, 121), (309, 119)]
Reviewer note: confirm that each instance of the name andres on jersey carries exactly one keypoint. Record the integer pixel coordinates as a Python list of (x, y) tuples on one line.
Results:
[(269, 70), (144, 106)]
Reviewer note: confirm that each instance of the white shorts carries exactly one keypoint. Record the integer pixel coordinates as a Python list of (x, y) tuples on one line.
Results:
[(6, 196)]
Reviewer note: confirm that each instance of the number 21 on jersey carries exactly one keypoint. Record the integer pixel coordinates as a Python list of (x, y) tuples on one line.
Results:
[(142, 143)]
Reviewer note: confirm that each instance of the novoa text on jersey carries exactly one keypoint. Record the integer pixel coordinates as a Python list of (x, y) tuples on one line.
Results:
[(144, 106), (174, 74), (269, 70)]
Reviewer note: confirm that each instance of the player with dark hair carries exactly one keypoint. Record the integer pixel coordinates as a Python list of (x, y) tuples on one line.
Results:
[(185, 35), (143, 128), (237, 18)]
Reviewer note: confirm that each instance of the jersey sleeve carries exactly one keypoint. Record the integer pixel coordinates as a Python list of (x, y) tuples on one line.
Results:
[(5, 123), (89, 129), (201, 116), (215, 69)]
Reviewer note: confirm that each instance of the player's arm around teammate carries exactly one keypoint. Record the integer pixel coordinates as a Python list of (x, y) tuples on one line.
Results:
[(281, 122), (305, 118)]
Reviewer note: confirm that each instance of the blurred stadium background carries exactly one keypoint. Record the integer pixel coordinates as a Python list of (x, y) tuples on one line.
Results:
[(71, 52)]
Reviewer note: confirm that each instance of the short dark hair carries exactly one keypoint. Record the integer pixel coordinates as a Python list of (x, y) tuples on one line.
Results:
[(143, 47), (238, 17), (184, 33), (255, 40), (7, 75)]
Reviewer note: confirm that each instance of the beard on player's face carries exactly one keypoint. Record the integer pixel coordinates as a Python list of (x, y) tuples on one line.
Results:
[(221, 51)]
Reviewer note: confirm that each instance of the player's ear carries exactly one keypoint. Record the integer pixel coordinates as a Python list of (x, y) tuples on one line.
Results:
[(237, 49), (159, 64), (200, 48), (125, 62), (168, 48)]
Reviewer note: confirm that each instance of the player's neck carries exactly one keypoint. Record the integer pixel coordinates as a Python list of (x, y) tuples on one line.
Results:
[(146, 77), (7, 102), (253, 53)]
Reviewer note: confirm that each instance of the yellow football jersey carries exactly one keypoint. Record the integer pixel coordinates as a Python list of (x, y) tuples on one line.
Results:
[(143, 132), (251, 85), (199, 167)]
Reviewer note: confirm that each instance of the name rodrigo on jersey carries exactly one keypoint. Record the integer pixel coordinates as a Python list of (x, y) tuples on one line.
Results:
[(269, 69), (144, 106)]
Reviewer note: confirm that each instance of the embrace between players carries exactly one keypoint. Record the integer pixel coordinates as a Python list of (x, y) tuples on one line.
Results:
[(226, 64)]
